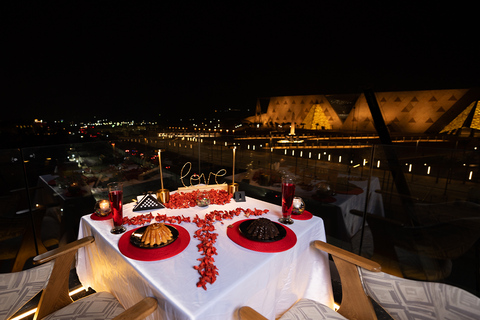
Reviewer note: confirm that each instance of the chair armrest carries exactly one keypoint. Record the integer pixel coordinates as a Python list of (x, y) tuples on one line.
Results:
[(23, 189), (34, 210), (399, 195), (55, 294), (139, 311), (355, 303), (348, 256), (247, 313), (55, 253), (394, 223)]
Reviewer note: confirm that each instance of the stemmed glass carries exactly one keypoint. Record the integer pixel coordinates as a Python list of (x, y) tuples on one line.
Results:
[(288, 192), (115, 196)]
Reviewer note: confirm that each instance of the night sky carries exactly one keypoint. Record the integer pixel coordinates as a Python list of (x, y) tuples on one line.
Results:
[(138, 59)]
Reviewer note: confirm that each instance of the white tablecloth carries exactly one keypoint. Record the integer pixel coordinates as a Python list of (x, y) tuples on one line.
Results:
[(268, 282), (347, 202)]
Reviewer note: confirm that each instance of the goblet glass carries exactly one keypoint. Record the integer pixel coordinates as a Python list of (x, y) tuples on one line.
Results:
[(288, 192), (115, 196)]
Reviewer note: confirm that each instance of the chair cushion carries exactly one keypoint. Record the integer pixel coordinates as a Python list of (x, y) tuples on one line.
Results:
[(309, 309), (97, 306), (17, 288), (410, 299)]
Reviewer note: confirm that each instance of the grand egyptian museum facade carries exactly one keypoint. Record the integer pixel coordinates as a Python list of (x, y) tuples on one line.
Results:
[(406, 112)]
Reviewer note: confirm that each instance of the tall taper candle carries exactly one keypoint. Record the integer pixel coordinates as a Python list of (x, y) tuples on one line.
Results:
[(160, 166), (233, 176)]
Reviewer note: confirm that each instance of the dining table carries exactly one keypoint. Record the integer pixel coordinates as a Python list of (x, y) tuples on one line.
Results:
[(269, 276), (354, 199), (65, 207)]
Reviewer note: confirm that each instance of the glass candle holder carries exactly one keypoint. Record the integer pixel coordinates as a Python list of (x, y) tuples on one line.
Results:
[(102, 208), (298, 206), (202, 199)]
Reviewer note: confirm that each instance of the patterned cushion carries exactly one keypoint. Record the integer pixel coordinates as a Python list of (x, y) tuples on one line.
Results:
[(97, 306), (18, 288), (309, 309), (410, 299)]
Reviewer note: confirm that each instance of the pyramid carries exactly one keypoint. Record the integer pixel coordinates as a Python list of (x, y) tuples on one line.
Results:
[(469, 118), (317, 115)]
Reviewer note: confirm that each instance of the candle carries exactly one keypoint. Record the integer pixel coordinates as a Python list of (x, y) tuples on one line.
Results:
[(160, 167), (233, 169), (104, 205), (102, 208)]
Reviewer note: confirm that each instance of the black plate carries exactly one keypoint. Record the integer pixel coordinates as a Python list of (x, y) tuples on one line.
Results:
[(243, 227), (136, 238)]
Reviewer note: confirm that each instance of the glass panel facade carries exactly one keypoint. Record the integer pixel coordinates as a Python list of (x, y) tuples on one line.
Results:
[(413, 208)]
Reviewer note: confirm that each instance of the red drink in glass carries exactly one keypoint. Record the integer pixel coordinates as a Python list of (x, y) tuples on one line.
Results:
[(115, 198), (288, 193), (115, 195)]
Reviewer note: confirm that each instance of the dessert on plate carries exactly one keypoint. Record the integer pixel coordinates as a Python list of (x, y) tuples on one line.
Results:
[(156, 234), (262, 229)]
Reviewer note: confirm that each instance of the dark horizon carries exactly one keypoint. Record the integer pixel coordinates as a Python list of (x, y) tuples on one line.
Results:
[(114, 59)]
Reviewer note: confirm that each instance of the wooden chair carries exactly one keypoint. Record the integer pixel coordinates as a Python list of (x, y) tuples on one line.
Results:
[(52, 276), (423, 252), (403, 299), (355, 303)]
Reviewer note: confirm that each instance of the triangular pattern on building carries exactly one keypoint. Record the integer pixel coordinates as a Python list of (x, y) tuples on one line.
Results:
[(398, 109), (316, 119), (460, 121)]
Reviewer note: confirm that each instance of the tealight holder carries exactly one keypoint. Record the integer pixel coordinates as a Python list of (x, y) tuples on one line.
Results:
[(232, 188), (202, 199), (102, 208), (298, 206), (163, 195)]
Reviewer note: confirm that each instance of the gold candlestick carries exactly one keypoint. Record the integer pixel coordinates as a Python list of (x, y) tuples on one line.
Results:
[(233, 187), (163, 195)]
